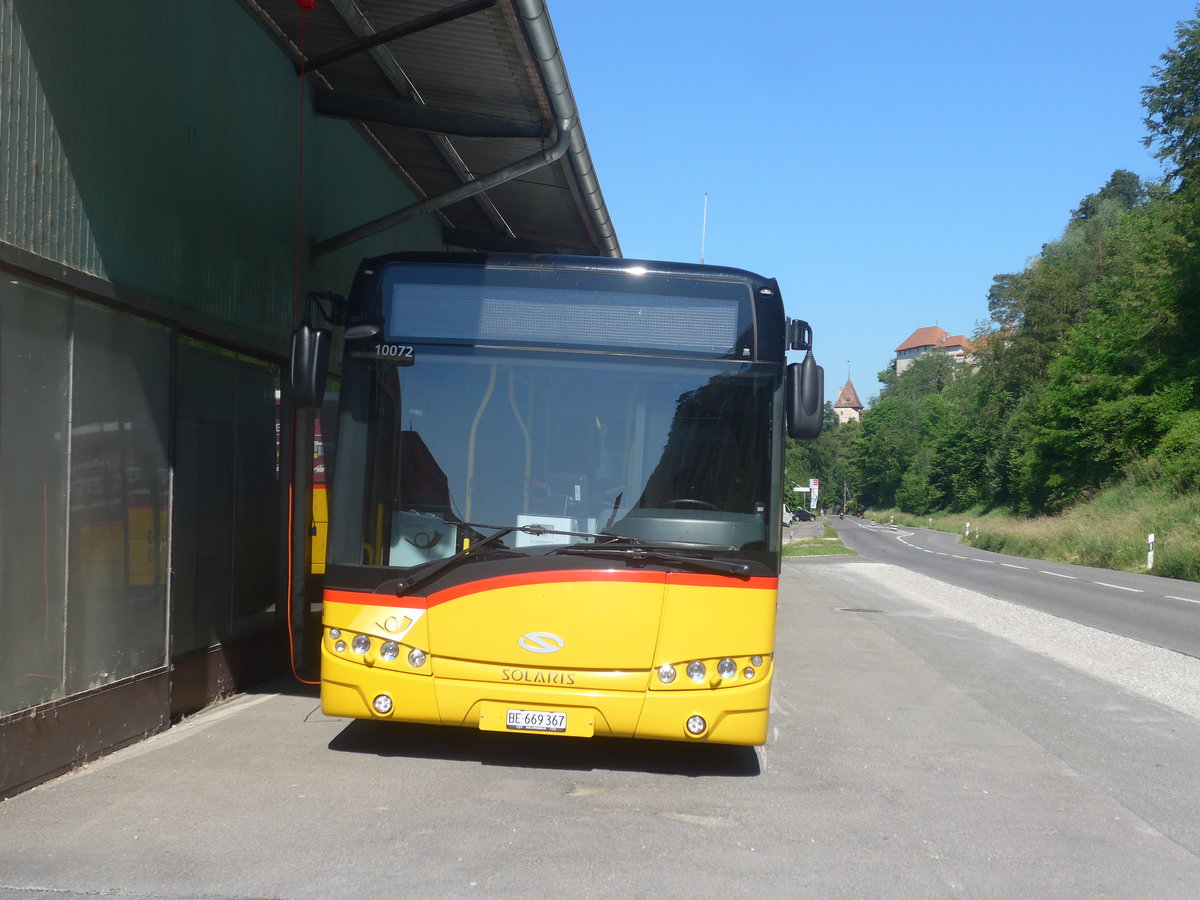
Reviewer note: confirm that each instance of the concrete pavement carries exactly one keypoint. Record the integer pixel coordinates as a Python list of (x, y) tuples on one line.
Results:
[(913, 753)]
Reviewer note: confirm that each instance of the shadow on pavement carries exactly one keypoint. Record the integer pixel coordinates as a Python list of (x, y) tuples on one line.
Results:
[(528, 751)]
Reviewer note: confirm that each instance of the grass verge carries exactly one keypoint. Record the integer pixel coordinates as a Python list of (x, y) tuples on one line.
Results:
[(827, 545), (1109, 532)]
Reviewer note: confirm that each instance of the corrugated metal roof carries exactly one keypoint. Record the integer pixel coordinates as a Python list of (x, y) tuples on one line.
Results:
[(479, 63)]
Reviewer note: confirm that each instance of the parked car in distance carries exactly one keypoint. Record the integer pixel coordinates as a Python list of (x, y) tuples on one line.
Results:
[(799, 514)]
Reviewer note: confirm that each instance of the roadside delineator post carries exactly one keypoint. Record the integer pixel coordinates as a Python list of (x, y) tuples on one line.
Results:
[(1150, 551)]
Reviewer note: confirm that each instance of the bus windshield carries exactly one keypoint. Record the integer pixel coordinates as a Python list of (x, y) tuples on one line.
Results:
[(673, 451)]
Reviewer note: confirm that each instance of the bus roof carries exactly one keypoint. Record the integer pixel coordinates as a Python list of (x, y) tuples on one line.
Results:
[(565, 262)]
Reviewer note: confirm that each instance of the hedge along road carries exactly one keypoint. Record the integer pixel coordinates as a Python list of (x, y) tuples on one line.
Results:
[(923, 743)]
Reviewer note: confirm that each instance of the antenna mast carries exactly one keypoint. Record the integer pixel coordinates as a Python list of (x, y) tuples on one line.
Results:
[(704, 228)]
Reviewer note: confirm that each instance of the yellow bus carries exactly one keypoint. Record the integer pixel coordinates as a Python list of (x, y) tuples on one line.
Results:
[(556, 501)]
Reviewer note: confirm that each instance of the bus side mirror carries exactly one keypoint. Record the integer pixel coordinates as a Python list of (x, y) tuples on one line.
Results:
[(309, 365), (805, 390)]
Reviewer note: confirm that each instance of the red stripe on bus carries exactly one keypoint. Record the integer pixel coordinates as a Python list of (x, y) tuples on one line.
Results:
[(535, 578), (358, 598)]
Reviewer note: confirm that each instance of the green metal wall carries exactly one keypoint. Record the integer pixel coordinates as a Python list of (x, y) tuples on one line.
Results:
[(149, 154), (156, 145)]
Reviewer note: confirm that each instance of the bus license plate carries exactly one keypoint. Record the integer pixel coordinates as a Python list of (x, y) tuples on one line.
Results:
[(535, 720)]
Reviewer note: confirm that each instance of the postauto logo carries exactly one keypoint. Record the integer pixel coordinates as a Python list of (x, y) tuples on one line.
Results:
[(540, 642)]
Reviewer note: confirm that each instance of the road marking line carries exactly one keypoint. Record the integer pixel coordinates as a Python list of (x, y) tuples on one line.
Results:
[(1119, 587), (1184, 599), (1011, 566), (956, 556), (1058, 575)]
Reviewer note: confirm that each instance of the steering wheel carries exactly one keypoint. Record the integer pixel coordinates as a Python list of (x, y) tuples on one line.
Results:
[(688, 502)]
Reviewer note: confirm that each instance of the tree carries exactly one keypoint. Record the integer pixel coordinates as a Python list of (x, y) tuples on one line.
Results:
[(887, 376), (1121, 378), (1172, 102), (886, 444), (917, 493), (1124, 188), (893, 462), (830, 419)]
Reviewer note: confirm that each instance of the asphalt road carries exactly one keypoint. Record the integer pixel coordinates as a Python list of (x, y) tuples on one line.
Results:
[(1161, 611), (926, 741)]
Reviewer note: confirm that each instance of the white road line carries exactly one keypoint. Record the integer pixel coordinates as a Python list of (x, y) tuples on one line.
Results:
[(1119, 587), (1045, 572)]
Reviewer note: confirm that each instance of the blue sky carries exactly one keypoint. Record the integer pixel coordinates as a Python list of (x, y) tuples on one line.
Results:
[(882, 160)]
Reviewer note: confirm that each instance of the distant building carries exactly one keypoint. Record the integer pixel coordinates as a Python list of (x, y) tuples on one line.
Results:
[(932, 338), (848, 407)]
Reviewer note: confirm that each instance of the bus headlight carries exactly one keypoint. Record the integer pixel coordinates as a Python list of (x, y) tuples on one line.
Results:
[(389, 651), (361, 644), (340, 646), (382, 704), (666, 674), (756, 661), (727, 668), (696, 725), (416, 658), (748, 673), (696, 671)]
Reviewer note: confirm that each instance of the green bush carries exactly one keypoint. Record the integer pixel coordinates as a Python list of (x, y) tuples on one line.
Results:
[(1108, 531), (1178, 454)]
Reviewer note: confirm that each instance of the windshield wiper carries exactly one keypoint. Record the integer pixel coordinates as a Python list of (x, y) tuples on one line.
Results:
[(404, 585), (611, 546), (642, 555)]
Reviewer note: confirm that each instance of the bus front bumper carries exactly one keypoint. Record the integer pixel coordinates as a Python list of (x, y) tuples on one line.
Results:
[(730, 715)]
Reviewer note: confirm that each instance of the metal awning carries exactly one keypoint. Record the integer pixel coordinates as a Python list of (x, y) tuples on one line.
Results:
[(469, 102)]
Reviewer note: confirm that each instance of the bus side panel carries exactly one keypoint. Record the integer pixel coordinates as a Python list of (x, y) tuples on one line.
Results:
[(350, 680), (708, 621), (706, 617), (735, 715), (319, 528)]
